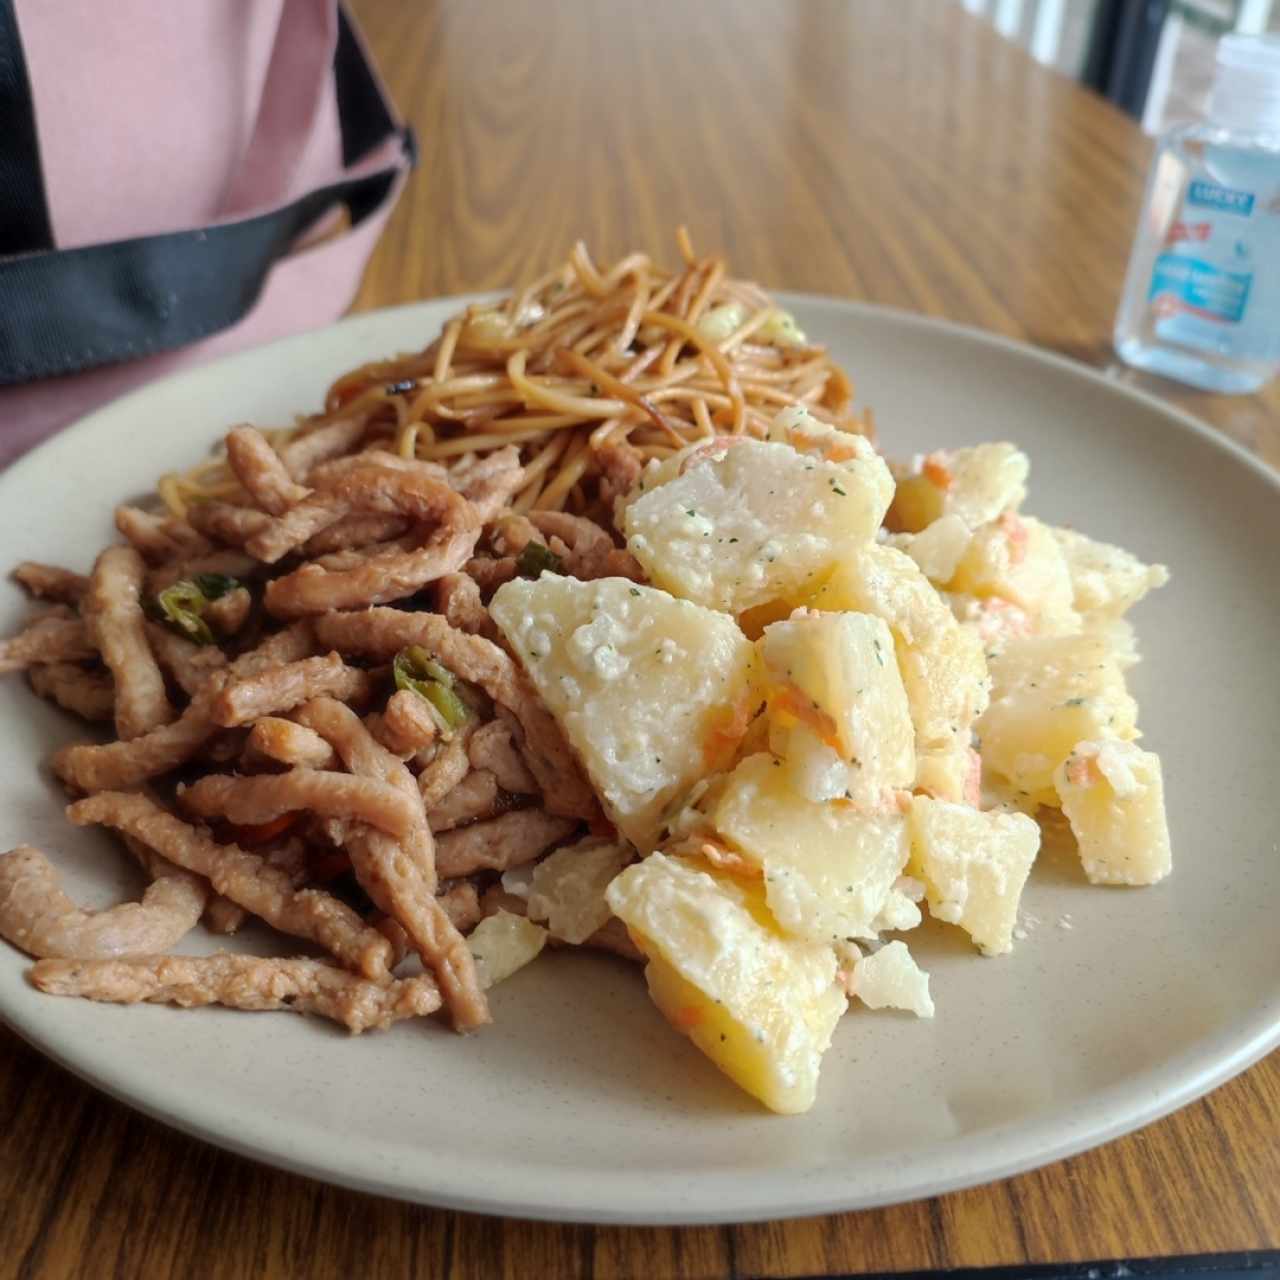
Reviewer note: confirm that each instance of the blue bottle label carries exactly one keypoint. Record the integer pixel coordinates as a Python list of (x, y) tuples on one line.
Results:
[(1200, 288), (1214, 281), (1211, 195)]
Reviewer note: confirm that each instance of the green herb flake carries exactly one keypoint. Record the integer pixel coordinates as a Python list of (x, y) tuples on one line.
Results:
[(536, 559)]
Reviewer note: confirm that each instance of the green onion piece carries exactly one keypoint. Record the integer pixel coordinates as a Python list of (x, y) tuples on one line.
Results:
[(416, 670), (215, 585), (535, 559), (181, 605)]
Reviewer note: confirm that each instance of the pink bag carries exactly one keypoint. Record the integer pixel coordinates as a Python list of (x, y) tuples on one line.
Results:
[(172, 180)]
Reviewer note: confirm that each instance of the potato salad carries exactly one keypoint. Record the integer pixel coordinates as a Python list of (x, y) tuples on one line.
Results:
[(836, 703)]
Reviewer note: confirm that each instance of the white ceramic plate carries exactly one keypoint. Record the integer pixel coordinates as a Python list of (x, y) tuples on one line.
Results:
[(579, 1103)]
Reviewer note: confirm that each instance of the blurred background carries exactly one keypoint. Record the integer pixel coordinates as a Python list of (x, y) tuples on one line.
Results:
[(1154, 58)]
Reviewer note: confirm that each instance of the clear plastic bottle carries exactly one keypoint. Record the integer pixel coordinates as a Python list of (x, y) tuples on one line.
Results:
[(1201, 300)]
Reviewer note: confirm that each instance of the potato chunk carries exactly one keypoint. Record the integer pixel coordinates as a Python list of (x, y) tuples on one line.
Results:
[(977, 484), (950, 773), (891, 979), (652, 692), (567, 887), (762, 1007), (754, 522), (1048, 693), (828, 868), (974, 866), (1018, 559), (503, 943), (885, 582), (942, 665), (1106, 580), (946, 680), (1113, 795), (939, 547), (838, 714)]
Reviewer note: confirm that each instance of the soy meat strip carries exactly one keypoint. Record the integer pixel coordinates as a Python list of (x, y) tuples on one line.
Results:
[(353, 532), (387, 573), (116, 765), (384, 632), (54, 638), (476, 796), (189, 664), (587, 550), (38, 917), (292, 744), (50, 582), (489, 574), (262, 472), (245, 878), (501, 843), (383, 576), (461, 903), (400, 876), (448, 524), (492, 748), (227, 614), (226, 564), (327, 474), (445, 772), (88, 694), (224, 917), (489, 483), (511, 534), (621, 465), (407, 726), (224, 522), (159, 538), (243, 982), (458, 600), (366, 490), (112, 611), (352, 558), (91, 767), (265, 797), (318, 445), (270, 692)]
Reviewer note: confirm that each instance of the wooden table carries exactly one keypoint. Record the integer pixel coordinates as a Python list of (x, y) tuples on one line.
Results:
[(880, 149)]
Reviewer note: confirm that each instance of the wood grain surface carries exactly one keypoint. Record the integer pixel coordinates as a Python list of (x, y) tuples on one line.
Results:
[(887, 150)]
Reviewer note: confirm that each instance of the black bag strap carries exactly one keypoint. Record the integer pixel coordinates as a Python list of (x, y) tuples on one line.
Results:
[(24, 213), (63, 311)]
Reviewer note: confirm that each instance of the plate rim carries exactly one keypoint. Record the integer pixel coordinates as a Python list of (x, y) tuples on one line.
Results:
[(1009, 1149)]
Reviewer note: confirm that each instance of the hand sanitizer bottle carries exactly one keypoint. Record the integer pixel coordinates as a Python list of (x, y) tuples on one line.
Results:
[(1201, 300)]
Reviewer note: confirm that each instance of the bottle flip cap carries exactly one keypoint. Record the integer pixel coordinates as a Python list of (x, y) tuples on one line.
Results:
[(1246, 84)]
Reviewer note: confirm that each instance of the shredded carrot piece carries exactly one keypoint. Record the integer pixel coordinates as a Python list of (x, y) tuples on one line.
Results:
[(937, 472), (261, 832), (689, 1016), (1015, 530), (792, 701), (724, 731)]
